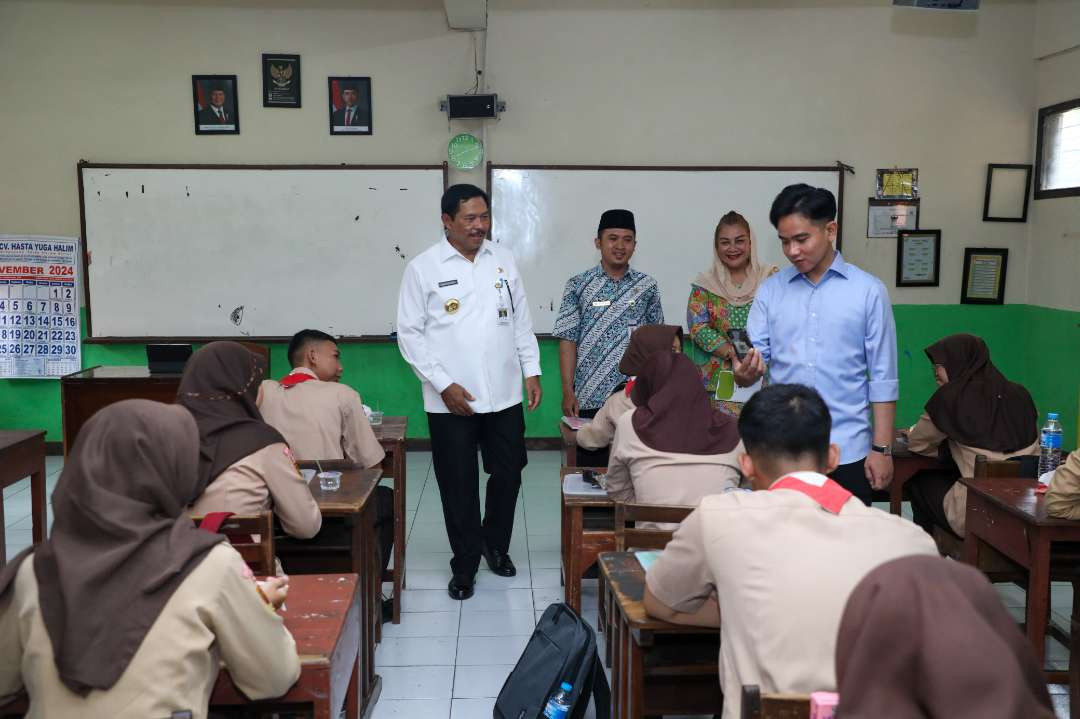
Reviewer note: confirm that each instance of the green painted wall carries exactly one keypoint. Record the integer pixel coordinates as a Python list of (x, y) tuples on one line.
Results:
[(1036, 346)]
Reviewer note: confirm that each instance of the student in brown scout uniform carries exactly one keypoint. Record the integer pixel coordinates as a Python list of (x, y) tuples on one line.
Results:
[(244, 463), (323, 419), (127, 611), (930, 637), (1063, 497), (976, 410), (319, 417), (774, 567), (674, 448), (645, 341)]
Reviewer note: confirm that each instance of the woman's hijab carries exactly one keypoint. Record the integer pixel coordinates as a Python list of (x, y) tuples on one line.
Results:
[(717, 279), (121, 542), (978, 407), (644, 342), (673, 411), (924, 636), (219, 388)]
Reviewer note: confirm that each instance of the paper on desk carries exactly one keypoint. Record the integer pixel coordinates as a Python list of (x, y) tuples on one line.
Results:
[(575, 484), (575, 423), (1046, 477), (645, 559)]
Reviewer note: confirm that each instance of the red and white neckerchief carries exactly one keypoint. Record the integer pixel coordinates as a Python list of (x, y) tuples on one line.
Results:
[(294, 378), (830, 495), (630, 385)]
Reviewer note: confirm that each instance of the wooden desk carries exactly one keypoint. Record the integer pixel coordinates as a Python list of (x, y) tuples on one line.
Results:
[(1007, 514), (391, 435), (84, 393), (906, 465), (22, 454), (657, 668), (580, 546), (346, 543), (323, 617), (569, 445)]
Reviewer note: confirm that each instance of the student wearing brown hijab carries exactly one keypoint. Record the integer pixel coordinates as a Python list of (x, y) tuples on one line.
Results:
[(926, 638), (674, 448), (128, 610), (975, 410), (244, 464), (645, 342)]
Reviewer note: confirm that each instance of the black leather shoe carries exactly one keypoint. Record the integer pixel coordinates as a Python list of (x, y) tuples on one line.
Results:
[(387, 610), (499, 562), (461, 586)]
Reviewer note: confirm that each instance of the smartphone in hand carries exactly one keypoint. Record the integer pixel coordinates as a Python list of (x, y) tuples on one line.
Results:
[(740, 342)]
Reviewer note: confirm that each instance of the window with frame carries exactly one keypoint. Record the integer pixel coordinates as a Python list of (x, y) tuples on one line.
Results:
[(1057, 160)]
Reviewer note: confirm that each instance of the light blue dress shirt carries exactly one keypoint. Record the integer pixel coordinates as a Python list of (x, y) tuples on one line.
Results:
[(837, 336)]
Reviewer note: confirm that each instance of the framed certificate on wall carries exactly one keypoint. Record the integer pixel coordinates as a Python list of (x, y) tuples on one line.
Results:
[(918, 256), (984, 275), (885, 217)]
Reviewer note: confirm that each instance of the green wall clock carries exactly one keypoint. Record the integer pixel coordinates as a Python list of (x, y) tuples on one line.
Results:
[(465, 151)]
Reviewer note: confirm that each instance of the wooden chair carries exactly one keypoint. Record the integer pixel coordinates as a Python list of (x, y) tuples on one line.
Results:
[(632, 537), (756, 705), (252, 535)]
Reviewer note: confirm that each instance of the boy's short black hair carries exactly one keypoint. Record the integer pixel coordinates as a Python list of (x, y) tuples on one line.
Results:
[(786, 421), (301, 340), (814, 203), (456, 194)]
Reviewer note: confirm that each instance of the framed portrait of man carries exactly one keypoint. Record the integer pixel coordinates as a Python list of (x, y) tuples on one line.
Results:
[(350, 105), (214, 100)]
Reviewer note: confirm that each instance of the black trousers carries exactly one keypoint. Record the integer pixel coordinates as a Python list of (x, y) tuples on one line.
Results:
[(852, 477), (927, 491), (500, 437)]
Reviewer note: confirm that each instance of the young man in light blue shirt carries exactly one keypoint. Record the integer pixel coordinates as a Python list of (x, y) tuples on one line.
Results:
[(827, 324)]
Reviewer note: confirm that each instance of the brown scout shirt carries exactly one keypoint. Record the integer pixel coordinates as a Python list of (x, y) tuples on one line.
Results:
[(782, 568), (599, 433), (1063, 497), (320, 420), (638, 473), (215, 617), (924, 438), (267, 479)]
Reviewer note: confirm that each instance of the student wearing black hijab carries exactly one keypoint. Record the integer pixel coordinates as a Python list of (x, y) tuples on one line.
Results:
[(925, 638), (245, 466), (128, 610), (974, 411)]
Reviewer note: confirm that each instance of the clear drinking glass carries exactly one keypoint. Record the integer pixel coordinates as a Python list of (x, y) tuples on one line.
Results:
[(329, 481), (376, 417)]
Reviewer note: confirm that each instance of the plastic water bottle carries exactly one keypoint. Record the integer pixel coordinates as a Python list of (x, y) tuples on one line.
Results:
[(1050, 444), (558, 706)]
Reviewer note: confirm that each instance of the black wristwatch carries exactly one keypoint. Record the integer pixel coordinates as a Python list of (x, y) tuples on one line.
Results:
[(884, 449)]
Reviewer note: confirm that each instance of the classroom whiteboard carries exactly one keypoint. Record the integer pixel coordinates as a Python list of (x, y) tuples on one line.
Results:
[(232, 251), (548, 217)]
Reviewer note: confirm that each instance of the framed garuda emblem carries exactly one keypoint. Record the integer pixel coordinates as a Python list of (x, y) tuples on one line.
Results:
[(281, 80)]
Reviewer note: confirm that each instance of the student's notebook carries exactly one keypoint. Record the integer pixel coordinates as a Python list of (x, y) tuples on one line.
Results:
[(575, 484), (645, 559)]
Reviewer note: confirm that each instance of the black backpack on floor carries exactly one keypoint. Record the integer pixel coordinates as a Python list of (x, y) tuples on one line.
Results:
[(562, 649)]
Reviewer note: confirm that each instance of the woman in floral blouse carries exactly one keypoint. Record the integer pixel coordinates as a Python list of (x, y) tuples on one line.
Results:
[(720, 300)]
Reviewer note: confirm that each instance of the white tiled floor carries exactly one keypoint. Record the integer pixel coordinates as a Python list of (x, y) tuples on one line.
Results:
[(448, 659)]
